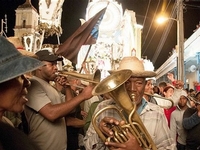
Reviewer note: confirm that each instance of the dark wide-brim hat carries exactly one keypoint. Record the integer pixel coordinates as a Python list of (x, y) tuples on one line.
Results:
[(136, 66), (13, 63)]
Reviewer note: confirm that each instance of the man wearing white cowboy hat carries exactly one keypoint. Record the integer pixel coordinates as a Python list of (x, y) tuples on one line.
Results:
[(151, 115)]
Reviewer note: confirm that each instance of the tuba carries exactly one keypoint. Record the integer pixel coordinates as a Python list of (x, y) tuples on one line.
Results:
[(114, 85)]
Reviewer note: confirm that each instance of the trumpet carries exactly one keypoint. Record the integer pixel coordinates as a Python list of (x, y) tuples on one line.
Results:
[(162, 101), (114, 85), (92, 78)]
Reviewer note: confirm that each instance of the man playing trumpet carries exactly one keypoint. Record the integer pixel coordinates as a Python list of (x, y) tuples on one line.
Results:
[(46, 109), (151, 115)]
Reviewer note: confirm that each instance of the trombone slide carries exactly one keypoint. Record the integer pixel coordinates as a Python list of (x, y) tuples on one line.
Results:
[(162, 101)]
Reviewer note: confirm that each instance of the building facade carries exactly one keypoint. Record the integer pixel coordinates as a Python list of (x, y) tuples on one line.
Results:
[(191, 63)]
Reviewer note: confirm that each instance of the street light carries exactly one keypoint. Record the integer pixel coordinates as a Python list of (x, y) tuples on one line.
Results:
[(180, 37)]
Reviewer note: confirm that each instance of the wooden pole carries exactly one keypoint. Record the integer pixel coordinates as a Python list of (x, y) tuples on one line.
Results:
[(85, 57)]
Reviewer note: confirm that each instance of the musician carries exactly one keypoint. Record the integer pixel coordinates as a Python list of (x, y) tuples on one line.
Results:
[(191, 122), (149, 91), (151, 115), (46, 109)]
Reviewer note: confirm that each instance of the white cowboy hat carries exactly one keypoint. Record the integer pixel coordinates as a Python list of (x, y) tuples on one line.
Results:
[(136, 66)]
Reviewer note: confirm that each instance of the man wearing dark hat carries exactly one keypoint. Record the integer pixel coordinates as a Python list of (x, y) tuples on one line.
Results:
[(13, 84), (191, 123), (151, 115), (46, 109), (13, 92)]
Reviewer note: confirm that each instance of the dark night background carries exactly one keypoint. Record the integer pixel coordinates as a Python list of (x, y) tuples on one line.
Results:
[(75, 9)]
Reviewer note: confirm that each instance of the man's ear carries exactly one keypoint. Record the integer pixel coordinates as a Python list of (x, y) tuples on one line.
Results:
[(40, 68)]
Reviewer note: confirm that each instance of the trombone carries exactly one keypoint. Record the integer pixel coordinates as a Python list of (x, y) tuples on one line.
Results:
[(160, 100), (194, 100), (92, 78)]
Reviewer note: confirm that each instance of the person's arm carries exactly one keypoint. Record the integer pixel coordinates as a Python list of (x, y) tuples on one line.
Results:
[(89, 116), (54, 111), (189, 121), (74, 122), (170, 76), (173, 125)]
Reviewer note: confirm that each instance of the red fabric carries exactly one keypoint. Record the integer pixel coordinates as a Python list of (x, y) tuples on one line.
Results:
[(168, 114), (84, 35), (174, 83)]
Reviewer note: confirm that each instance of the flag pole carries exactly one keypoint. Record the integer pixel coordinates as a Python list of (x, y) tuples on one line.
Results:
[(85, 57)]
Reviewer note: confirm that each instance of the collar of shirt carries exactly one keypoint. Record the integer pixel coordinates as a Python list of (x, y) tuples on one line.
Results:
[(142, 106)]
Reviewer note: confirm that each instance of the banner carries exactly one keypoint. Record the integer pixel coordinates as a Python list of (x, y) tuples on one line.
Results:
[(86, 34)]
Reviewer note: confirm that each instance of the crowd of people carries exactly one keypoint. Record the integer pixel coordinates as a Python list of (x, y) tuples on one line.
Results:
[(56, 111)]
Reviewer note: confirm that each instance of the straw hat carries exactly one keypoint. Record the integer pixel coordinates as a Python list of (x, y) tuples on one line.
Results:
[(13, 63), (136, 66), (19, 46)]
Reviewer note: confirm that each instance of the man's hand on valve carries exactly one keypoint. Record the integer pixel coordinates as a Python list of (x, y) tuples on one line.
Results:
[(105, 127)]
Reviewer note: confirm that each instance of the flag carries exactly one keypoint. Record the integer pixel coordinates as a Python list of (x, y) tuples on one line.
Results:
[(86, 34)]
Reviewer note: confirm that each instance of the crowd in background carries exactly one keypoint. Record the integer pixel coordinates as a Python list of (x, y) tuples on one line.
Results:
[(55, 111)]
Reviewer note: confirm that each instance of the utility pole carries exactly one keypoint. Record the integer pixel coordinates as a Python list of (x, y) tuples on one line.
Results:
[(180, 40)]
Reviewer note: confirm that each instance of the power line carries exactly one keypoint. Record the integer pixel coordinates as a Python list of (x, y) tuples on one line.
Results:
[(145, 17), (150, 27), (164, 35)]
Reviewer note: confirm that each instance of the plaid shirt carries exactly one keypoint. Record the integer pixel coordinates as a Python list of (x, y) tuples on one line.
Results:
[(151, 115)]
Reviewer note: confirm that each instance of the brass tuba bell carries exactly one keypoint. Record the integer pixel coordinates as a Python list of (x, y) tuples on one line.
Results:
[(114, 85)]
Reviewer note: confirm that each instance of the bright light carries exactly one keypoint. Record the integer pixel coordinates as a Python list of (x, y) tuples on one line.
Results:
[(161, 19)]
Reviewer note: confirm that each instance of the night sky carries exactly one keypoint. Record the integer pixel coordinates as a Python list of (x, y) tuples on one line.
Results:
[(75, 9)]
